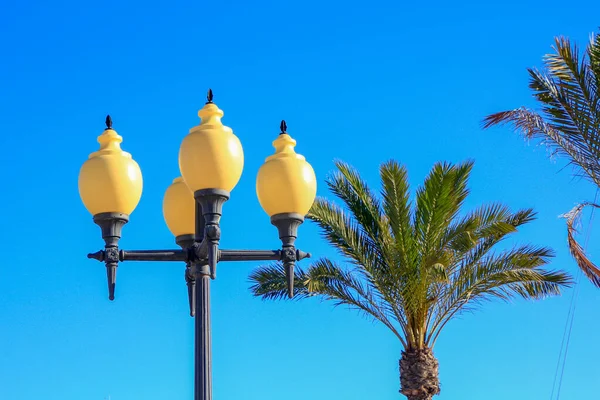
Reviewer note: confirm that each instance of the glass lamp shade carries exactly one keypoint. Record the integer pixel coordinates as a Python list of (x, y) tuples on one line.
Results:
[(179, 209), (286, 183), (110, 180), (211, 156)]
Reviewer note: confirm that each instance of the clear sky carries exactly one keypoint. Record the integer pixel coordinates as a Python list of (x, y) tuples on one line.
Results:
[(360, 81)]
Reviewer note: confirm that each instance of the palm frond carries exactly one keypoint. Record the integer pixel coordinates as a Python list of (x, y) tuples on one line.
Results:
[(348, 186), (495, 228), (358, 234), (585, 264), (397, 208), (438, 202), (326, 279), (569, 96), (515, 272), (341, 230), (574, 87), (533, 126), (568, 91), (493, 223), (270, 283), (593, 51), (488, 221), (472, 237)]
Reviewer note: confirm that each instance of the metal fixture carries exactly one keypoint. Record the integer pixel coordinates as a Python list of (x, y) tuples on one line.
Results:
[(211, 162)]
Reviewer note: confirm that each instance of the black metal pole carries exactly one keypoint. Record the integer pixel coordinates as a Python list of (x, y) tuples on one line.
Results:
[(203, 351), (203, 342)]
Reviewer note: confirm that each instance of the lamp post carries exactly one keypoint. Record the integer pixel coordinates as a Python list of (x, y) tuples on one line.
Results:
[(211, 160)]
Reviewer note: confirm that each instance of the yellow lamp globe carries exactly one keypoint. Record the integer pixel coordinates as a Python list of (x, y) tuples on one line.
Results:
[(286, 183), (110, 180), (211, 156), (179, 209)]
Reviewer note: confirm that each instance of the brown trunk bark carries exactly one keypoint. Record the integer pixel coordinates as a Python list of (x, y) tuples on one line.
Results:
[(419, 374)]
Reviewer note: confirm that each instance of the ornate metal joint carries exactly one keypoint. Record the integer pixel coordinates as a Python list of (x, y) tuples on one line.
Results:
[(190, 281), (301, 255), (197, 252), (99, 255), (287, 224), (112, 255), (111, 225), (289, 255), (186, 242), (213, 232), (211, 205), (199, 269)]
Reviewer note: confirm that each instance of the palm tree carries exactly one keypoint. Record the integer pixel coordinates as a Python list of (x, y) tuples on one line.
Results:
[(414, 265), (568, 90)]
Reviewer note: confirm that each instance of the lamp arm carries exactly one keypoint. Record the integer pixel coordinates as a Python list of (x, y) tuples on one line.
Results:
[(191, 256), (258, 255)]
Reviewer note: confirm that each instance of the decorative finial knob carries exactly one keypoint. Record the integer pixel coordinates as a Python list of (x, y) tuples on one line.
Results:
[(108, 122), (209, 96), (283, 127)]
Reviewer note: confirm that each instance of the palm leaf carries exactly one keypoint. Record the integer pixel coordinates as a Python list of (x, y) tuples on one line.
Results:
[(359, 234), (270, 283), (438, 202), (341, 230), (585, 264), (533, 126), (326, 279), (567, 91), (515, 272), (397, 209), (593, 51), (348, 186)]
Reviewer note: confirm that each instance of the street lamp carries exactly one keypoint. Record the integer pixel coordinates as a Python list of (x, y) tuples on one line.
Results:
[(211, 160)]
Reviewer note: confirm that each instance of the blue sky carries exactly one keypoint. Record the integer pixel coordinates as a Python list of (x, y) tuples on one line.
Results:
[(359, 81)]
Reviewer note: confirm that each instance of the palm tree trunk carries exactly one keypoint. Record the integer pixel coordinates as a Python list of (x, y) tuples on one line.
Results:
[(419, 374)]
